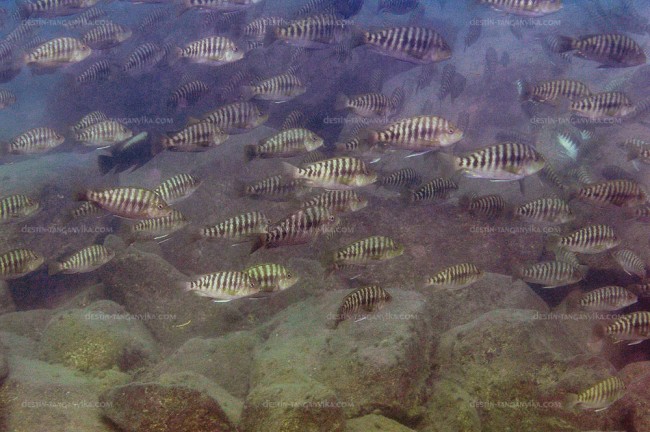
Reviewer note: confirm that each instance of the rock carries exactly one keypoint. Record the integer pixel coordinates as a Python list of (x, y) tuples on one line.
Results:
[(86, 297), (6, 301), (303, 405), (148, 286), (637, 400), (29, 324), (380, 363), (19, 345), (227, 361), (507, 360), (375, 423), (231, 406), (100, 337), (4, 363), (152, 407)]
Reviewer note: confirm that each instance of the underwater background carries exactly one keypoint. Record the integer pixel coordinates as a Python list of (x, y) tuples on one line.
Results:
[(324, 215)]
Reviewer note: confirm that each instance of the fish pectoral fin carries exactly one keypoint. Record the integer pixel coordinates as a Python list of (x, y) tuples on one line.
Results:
[(636, 342), (360, 319)]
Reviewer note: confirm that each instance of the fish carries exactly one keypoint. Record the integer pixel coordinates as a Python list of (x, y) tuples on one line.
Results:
[(550, 210), (488, 206), (299, 227), (337, 201), (630, 262), (338, 173), (420, 133), (550, 91), (286, 143), (637, 150), (294, 120), (608, 298), (425, 77), (640, 289), (551, 274), (17, 263), (143, 58), (368, 250), (611, 50), (582, 175), (103, 134), (218, 5), (568, 145), (591, 239), (633, 327), (603, 106), (242, 226), (274, 187), (437, 189), (280, 88), (101, 70), (85, 209), (157, 228), (86, 260), (155, 18), (597, 397), (188, 94), (491, 62), (195, 138), (17, 207), (177, 188), (361, 302), (402, 178), (455, 277), (128, 202), (35, 141), (312, 32), (235, 117), (260, 27), (398, 7), (106, 35), (271, 277), (130, 154), (529, 8), (7, 98), (458, 84), (52, 8), (212, 50), (620, 193), (58, 52), (366, 105), (473, 33), (419, 45), (502, 161), (223, 285)]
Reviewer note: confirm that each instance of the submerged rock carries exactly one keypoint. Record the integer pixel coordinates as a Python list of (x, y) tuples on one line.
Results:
[(29, 324), (6, 301), (152, 407), (375, 423)]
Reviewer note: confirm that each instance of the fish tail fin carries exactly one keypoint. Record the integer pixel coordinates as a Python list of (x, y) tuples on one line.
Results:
[(449, 165), (290, 170), (54, 268), (523, 89), (564, 44), (250, 152), (260, 241), (341, 102), (105, 163), (82, 195), (570, 401), (247, 92)]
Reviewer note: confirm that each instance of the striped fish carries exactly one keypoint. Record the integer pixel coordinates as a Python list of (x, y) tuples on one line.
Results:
[(640, 289), (16, 207), (272, 187), (236, 117), (607, 298), (316, 31), (89, 119), (18, 262), (188, 94), (143, 58), (418, 133), (106, 35), (86, 18), (101, 70), (366, 105), (58, 52), (611, 50), (337, 201), (260, 27), (633, 327), (551, 210), (550, 91), (598, 397), (402, 178), (438, 188), (418, 45), (158, 228), (128, 202), (7, 98), (627, 193), (279, 88), (177, 188), (488, 206), (397, 7), (367, 251), (637, 149), (361, 302), (224, 285), (603, 106), (53, 8), (286, 143), (195, 138), (531, 8), (219, 5), (336, 173), (104, 133), (630, 262), (503, 161), (242, 226), (295, 119), (37, 140), (85, 209), (297, 228), (456, 276), (591, 239), (551, 274), (271, 277), (582, 175), (550, 176), (86, 260), (155, 18), (213, 50)]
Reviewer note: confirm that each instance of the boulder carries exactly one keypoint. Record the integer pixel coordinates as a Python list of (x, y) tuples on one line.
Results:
[(29, 324), (6, 301), (637, 400), (375, 423)]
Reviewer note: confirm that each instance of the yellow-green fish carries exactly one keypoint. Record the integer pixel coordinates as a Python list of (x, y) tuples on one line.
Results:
[(336, 173), (272, 277), (18, 262), (598, 397), (86, 260), (128, 202), (17, 207), (456, 276)]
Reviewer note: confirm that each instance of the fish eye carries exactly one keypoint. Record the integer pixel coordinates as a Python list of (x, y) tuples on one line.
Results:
[(451, 130), (331, 218), (289, 275), (160, 206)]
